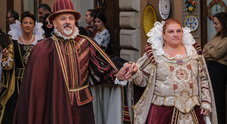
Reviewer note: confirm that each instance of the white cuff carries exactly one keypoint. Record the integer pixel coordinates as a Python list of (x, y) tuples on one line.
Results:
[(206, 106), (7, 62), (134, 76), (122, 83)]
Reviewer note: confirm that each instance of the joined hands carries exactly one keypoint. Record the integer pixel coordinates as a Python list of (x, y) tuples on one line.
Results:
[(127, 71)]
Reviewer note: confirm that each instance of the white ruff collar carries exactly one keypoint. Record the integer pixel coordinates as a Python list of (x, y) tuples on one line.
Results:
[(76, 32), (156, 40), (16, 32)]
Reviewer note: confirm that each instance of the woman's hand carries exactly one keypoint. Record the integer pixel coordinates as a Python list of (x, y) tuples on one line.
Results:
[(132, 69), (127, 71), (204, 112), (5, 53)]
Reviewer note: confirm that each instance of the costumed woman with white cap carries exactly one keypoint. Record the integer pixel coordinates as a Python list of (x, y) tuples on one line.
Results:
[(174, 75)]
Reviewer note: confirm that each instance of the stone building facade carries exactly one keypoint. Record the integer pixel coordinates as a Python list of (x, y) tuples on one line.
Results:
[(129, 19)]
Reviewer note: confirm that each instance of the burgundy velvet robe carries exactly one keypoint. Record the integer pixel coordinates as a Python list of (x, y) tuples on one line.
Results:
[(44, 98)]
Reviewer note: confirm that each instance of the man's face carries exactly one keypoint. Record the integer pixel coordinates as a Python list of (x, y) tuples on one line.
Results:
[(10, 20), (42, 13), (65, 24)]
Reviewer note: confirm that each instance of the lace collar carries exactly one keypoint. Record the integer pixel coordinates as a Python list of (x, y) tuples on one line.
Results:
[(16, 32), (156, 40), (76, 32)]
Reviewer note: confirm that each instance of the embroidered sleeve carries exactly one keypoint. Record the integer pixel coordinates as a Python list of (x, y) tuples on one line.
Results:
[(206, 106), (205, 88), (100, 70), (141, 77)]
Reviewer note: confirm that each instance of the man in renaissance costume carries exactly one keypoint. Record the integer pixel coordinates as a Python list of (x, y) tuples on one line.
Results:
[(55, 87)]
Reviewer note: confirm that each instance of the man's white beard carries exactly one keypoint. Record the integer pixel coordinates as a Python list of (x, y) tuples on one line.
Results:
[(67, 31), (75, 33)]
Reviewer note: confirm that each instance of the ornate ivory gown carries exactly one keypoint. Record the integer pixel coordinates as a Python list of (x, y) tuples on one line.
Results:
[(181, 82)]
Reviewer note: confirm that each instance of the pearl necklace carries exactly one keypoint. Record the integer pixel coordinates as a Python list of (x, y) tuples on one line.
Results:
[(28, 42)]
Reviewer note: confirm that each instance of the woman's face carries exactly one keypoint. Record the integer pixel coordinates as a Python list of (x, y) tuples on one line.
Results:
[(27, 25), (49, 24), (88, 17), (99, 24), (173, 34), (217, 25)]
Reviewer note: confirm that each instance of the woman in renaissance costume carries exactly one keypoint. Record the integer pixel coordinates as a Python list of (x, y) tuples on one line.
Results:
[(23, 36), (175, 79)]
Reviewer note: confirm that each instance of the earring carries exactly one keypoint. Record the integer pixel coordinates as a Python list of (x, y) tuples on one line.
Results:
[(164, 42)]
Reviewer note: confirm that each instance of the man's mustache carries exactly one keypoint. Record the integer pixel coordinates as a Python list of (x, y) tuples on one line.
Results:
[(67, 25)]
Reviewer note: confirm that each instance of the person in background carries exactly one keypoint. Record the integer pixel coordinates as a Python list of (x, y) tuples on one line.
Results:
[(102, 37), (48, 26), (81, 29), (12, 16), (89, 18), (56, 82), (174, 77), (215, 51), (43, 9), (104, 92), (14, 60)]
